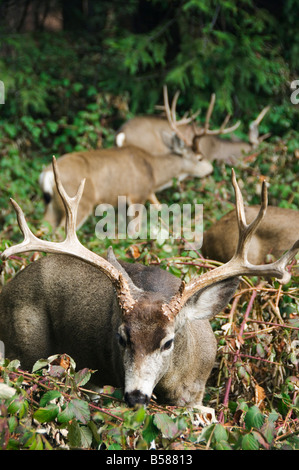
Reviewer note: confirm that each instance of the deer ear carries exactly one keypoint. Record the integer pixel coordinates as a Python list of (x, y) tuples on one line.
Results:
[(173, 142), (208, 302), (167, 138), (135, 291)]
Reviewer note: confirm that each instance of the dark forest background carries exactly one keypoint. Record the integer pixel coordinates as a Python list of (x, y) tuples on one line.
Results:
[(110, 59)]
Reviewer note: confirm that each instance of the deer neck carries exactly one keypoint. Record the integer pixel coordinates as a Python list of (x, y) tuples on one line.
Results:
[(165, 168)]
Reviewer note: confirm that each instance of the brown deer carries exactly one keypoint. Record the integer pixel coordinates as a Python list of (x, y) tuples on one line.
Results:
[(146, 131), (128, 171), (140, 327), (277, 231)]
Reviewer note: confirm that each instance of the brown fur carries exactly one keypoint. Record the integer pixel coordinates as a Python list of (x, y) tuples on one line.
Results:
[(277, 232), (113, 172), (64, 305), (145, 132)]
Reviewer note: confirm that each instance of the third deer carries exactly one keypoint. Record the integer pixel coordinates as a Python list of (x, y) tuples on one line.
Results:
[(276, 233), (146, 132)]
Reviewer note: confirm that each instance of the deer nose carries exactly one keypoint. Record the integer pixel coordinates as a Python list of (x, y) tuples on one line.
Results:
[(136, 398)]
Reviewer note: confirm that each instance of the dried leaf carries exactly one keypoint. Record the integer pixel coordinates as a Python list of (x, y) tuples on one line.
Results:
[(260, 395), (134, 251)]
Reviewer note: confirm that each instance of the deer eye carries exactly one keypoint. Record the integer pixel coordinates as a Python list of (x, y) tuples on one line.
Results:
[(122, 341), (167, 345)]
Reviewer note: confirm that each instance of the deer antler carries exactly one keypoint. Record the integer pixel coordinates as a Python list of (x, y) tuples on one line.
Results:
[(71, 245), (222, 129), (253, 128), (239, 264), (171, 114)]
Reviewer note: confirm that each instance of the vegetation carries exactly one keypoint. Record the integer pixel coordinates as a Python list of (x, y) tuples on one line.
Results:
[(61, 95)]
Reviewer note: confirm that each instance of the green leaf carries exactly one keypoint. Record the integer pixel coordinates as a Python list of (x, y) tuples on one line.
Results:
[(86, 436), (12, 423), (13, 365), (40, 364), (268, 430), (49, 396), (52, 126), (115, 447), (249, 442), (82, 377), (254, 418), (150, 431), (74, 435), (6, 391), (66, 415), (139, 416), (47, 414), (220, 433), (18, 405), (80, 410), (222, 445), (166, 425)]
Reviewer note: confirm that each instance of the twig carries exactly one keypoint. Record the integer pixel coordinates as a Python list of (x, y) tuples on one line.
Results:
[(280, 325), (236, 356)]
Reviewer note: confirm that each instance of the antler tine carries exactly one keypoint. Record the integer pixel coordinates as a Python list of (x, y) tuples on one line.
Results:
[(186, 119), (247, 231), (71, 204), (29, 238), (222, 129), (262, 114), (71, 245), (171, 117), (238, 265), (254, 137), (209, 112), (173, 104)]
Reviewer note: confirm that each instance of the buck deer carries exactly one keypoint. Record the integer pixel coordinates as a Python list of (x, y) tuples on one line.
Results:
[(128, 171), (140, 327), (274, 235), (146, 131)]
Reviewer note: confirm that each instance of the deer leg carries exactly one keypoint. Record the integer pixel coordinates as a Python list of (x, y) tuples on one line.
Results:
[(135, 225), (154, 200)]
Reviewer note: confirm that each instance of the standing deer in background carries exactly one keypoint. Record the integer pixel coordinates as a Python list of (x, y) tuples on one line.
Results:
[(146, 131), (140, 327), (128, 171), (277, 231)]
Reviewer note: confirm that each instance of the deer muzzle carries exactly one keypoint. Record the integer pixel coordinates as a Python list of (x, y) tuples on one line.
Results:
[(136, 397)]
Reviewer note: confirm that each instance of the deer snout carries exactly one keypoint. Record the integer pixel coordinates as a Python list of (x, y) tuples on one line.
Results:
[(203, 167), (136, 398)]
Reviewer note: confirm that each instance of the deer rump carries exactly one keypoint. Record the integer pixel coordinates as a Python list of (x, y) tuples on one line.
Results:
[(64, 305)]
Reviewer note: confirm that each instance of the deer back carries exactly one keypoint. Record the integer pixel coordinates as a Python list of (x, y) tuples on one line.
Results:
[(214, 148), (277, 232), (146, 132), (127, 171)]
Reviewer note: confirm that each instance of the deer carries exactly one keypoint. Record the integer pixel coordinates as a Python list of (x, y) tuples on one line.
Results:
[(128, 171), (146, 131), (273, 236), (140, 327)]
